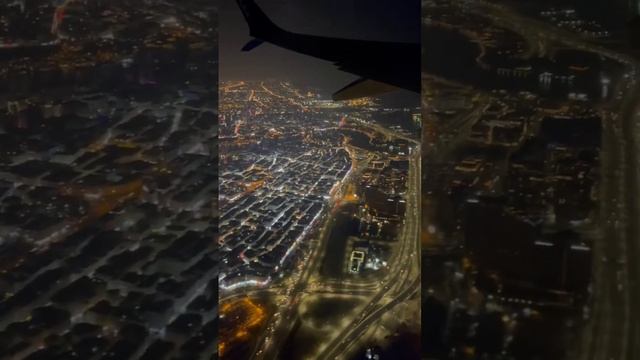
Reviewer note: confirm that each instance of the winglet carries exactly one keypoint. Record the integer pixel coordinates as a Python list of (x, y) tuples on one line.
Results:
[(259, 23), (252, 44), (362, 88)]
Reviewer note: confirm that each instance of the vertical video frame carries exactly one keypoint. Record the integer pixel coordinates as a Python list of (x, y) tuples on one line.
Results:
[(320, 180)]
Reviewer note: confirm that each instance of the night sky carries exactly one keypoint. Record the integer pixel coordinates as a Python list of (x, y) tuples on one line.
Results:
[(386, 20)]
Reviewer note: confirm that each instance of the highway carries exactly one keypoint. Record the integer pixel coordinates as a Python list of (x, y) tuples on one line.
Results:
[(402, 281), (614, 330), (272, 340), (531, 28), (389, 134)]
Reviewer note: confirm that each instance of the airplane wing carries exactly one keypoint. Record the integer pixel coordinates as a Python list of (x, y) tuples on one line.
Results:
[(362, 88), (377, 63)]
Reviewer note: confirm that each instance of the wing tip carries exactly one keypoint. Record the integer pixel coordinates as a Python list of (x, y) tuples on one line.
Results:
[(252, 44), (259, 23)]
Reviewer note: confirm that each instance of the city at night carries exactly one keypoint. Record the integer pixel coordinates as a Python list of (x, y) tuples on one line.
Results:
[(319, 199), (529, 180), (108, 179), (319, 179)]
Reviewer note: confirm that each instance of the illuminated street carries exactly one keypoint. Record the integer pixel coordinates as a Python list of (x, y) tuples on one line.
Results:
[(313, 268)]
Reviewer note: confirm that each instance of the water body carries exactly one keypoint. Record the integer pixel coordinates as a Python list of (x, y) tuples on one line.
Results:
[(450, 54), (360, 140)]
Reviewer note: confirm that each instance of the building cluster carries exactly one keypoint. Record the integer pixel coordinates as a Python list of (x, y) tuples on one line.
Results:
[(501, 125), (513, 170), (379, 215), (282, 161), (105, 221), (286, 159), (521, 198), (106, 195), (262, 226), (519, 215), (103, 45)]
